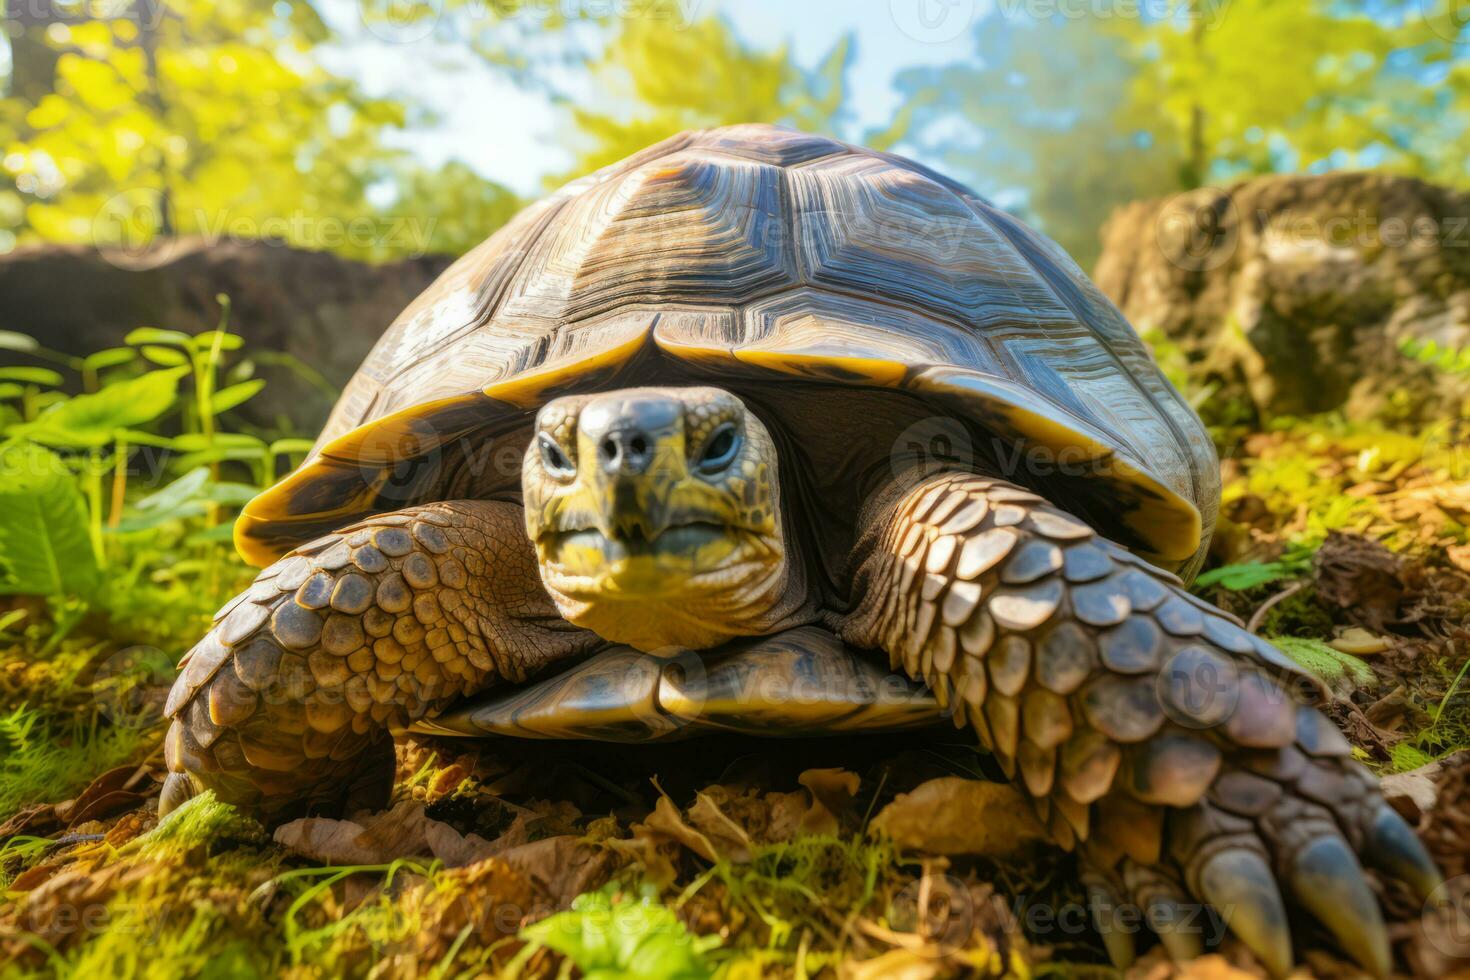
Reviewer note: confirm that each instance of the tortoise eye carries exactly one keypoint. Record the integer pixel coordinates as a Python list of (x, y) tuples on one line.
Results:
[(554, 459), (720, 450)]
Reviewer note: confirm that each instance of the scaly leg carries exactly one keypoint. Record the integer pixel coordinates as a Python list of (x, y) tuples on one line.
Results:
[(1150, 730), (289, 701)]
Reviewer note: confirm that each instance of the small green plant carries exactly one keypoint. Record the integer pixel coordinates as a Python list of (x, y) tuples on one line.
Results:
[(46, 759), (612, 934), (1451, 360)]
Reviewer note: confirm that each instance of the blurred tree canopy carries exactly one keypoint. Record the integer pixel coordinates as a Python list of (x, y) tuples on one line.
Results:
[(210, 117), (1064, 117), (126, 119), (654, 82)]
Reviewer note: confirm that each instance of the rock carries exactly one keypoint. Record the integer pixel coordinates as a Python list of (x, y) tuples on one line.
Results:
[(1297, 292), (323, 310)]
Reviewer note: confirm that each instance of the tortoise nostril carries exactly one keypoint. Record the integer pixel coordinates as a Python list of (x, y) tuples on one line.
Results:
[(625, 451)]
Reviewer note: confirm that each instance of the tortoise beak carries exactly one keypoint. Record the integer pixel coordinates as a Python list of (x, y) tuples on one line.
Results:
[(633, 452)]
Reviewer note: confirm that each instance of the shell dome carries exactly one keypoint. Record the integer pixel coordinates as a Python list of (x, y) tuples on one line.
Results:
[(798, 271)]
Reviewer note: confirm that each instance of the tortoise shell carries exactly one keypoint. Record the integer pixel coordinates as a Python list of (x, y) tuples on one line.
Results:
[(858, 301)]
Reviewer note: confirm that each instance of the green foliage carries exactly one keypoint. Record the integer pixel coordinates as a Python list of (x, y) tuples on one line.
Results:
[(214, 118), (202, 821), (1073, 116), (1405, 757), (47, 759), (610, 935), (653, 82), (1037, 120), (1259, 85), (1251, 574), (1340, 671), (1451, 360), (45, 546), (89, 421)]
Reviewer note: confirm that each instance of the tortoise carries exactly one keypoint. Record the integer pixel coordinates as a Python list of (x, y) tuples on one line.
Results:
[(758, 431)]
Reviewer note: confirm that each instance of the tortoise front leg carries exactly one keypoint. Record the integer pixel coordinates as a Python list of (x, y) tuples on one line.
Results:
[(1149, 729), (288, 702)]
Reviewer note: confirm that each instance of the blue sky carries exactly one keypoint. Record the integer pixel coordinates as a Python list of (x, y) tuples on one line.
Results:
[(508, 133)]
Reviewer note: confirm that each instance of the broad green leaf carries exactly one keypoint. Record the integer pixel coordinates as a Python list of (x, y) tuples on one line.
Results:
[(147, 520), (153, 335), (45, 546), (31, 375), (220, 454), (609, 935), (11, 340), (185, 488), (1238, 578), (196, 442), (138, 437), (165, 356), (11, 390), (227, 340), (227, 398), (93, 420), (108, 358)]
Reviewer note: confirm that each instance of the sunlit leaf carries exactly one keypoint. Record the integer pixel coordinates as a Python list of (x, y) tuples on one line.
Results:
[(93, 420), (1249, 575), (185, 488), (108, 358), (227, 341), (31, 375), (153, 335), (45, 547), (24, 343), (197, 442), (227, 398), (165, 356), (608, 935)]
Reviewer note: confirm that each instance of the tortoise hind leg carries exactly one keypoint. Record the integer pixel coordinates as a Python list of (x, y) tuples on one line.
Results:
[(289, 702), (1151, 731)]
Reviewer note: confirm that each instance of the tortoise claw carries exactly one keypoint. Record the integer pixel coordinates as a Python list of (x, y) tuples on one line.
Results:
[(1171, 921), (1395, 849), (177, 790), (1327, 880), (1103, 902), (1239, 884)]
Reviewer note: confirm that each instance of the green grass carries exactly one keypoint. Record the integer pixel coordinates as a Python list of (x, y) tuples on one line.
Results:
[(47, 759)]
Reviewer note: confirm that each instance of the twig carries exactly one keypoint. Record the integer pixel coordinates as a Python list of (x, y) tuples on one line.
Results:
[(1259, 615)]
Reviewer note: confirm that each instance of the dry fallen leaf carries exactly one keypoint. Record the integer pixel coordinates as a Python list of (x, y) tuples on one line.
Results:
[(377, 839), (952, 815), (562, 867)]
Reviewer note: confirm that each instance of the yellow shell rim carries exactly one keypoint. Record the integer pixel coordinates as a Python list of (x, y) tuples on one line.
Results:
[(1169, 523)]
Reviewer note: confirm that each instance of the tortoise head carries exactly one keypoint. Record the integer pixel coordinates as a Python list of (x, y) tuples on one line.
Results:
[(655, 513)]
